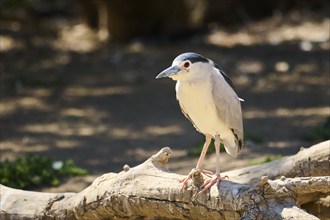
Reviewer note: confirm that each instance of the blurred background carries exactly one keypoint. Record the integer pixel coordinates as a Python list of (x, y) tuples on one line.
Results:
[(78, 88)]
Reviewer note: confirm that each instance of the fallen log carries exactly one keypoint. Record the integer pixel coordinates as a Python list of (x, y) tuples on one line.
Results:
[(150, 191)]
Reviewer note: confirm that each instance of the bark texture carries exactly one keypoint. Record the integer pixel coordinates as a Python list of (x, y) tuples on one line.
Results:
[(150, 191)]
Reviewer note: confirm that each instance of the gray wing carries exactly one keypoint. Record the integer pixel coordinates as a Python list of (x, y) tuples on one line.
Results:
[(228, 107)]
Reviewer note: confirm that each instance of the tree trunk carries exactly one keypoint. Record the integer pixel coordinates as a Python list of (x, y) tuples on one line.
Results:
[(151, 191)]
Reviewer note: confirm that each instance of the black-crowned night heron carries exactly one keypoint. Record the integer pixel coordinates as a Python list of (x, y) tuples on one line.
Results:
[(208, 99)]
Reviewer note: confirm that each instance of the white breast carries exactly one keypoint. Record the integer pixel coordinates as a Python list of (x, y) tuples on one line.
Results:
[(196, 100)]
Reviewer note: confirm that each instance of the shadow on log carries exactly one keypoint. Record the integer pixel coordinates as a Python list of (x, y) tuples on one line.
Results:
[(151, 191)]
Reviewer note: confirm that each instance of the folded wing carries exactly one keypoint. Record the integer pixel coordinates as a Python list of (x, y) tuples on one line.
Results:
[(228, 106)]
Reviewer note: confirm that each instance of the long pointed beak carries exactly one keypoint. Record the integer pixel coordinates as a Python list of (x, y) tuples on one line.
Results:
[(169, 72)]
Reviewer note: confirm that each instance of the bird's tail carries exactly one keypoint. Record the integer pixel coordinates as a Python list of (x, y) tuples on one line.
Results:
[(231, 146)]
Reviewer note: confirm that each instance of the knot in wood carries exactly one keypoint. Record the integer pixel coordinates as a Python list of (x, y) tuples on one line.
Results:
[(263, 180), (162, 156), (197, 178), (126, 168)]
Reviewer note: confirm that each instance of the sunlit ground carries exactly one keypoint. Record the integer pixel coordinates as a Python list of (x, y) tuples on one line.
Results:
[(70, 96)]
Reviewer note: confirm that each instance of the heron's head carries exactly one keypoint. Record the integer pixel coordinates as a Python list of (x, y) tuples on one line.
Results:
[(188, 66)]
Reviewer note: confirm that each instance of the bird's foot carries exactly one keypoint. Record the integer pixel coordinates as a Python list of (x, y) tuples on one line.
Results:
[(210, 182), (196, 176)]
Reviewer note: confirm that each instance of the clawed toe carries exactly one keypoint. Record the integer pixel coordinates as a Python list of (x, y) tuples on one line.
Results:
[(210, 182), (185, 180), (198, 179)]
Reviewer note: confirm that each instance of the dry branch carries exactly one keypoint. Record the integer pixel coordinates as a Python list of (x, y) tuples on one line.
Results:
[(149, 190), (312, 161)]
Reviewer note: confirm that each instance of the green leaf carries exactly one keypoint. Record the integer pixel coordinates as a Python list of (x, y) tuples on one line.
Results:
[(32, 171)]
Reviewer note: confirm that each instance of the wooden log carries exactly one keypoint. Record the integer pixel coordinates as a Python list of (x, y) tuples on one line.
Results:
[(149, 190)]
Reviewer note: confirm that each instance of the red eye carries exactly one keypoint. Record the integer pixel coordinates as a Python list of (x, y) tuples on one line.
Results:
[(186, 64)]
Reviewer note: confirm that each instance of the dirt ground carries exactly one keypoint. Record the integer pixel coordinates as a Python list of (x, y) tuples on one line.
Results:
[(69, 96)]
